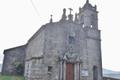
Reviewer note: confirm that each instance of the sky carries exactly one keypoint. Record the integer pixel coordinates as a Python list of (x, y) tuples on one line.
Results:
[(20, 19)]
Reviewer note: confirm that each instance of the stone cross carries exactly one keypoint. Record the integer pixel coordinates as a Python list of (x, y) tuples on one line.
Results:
[(51, 16), (70, 10), (51, 20)]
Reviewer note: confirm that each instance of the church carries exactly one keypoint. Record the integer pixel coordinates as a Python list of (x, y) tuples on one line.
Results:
[(69, 49)]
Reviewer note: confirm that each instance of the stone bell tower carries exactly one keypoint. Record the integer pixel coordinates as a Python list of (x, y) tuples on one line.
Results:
[(85, 64), (88, 15)]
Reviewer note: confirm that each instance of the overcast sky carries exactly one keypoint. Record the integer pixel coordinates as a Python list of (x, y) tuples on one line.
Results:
[(20, 19)]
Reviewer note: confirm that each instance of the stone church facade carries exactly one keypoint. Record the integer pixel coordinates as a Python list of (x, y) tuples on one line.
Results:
[(66, 50)]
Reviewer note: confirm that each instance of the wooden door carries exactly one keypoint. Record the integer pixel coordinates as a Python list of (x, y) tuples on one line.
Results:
[(69, 71)]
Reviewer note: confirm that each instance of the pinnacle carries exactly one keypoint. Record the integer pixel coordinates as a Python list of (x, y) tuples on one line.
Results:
[(87, 1)]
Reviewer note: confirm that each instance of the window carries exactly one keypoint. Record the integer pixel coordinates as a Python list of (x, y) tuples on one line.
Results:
[(49, 68)]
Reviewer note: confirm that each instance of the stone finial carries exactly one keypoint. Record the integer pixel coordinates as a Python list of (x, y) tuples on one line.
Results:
[(87, 5), (70, 16), (64, 11), (64, 15), (70, 10), (95, 7), (87, 1), (76, 17), (80, 9), (51, 20)]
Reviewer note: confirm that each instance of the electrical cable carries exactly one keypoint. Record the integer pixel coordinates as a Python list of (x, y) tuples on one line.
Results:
[(35, 8)]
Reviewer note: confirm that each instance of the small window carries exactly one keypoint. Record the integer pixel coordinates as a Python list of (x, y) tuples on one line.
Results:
[(49, 68)]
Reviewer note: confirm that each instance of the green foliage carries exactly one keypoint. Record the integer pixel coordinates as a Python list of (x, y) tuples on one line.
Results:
[(11, 77), (19, 67)]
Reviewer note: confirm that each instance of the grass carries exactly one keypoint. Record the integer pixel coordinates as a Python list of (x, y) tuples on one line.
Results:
[(11, 77)]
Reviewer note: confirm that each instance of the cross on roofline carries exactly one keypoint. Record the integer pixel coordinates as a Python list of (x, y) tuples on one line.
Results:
[(51, 15), (51, 18), (70, 10)]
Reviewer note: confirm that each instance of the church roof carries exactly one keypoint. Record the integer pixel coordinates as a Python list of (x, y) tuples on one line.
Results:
[(88, 6), (18, 47)]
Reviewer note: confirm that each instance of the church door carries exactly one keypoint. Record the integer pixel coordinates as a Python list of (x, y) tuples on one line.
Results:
[(69, 71)]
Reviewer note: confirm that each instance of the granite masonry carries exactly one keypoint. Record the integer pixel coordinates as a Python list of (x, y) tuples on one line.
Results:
[(66, 50), (14, 61), (69, 49)]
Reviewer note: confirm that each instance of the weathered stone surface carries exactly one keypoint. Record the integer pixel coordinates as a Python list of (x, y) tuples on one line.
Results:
[(53, 42), (14, 60), (57, 44)]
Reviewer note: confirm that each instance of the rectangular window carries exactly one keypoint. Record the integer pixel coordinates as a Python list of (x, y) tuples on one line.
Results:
[(49, 68)]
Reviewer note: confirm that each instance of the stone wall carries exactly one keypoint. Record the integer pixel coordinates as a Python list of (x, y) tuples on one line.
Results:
[(13, 63), (63, 40)]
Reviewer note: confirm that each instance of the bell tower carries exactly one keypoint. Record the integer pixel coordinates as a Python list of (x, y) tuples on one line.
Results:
[(88, 16)]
